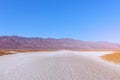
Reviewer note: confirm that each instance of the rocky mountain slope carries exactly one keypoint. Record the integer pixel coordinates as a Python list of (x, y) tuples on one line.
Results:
[(17, 42)]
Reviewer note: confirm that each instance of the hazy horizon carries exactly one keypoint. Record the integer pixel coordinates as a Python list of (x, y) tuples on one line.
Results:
[(82, 20), (56, 38)]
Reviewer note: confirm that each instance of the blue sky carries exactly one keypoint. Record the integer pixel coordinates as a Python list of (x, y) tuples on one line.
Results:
[(90, 20)]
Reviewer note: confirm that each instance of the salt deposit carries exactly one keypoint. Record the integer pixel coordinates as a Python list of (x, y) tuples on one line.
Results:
[(58, 65)]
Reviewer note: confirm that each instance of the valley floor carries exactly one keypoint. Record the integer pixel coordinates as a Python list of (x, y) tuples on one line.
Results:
[(58, 65)]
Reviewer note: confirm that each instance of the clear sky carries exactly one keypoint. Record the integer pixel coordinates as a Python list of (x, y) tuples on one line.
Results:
[(90, 20)]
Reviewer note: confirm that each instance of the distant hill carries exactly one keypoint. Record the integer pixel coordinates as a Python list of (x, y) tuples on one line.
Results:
[(16, 42)]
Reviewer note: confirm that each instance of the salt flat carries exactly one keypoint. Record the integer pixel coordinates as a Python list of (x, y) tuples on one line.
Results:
[(58, 65)]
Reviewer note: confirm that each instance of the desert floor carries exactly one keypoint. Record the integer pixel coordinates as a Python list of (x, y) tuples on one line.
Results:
[(58, 65)]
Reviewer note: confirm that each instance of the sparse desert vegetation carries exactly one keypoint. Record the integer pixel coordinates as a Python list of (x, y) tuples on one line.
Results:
[(115, 57)]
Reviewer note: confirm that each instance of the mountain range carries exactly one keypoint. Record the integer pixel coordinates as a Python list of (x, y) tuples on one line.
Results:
[(17, 42)]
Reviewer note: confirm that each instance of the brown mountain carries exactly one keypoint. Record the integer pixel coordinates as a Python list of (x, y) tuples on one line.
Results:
[(16, 42)]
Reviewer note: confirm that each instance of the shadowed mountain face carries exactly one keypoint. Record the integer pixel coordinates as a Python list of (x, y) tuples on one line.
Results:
[(16, 42)]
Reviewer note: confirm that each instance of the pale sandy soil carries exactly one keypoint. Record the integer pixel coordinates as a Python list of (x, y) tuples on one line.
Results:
[(58, 65), (114, 57)]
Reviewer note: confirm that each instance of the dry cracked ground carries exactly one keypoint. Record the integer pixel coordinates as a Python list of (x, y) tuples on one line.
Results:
[(58, 65)]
